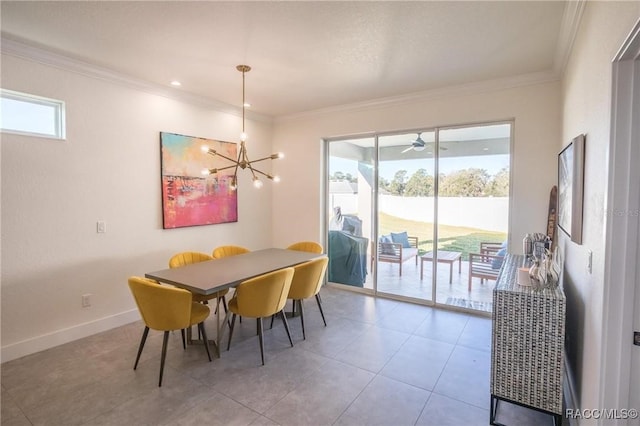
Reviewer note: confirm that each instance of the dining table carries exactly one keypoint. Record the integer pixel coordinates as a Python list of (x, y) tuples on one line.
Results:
[(212, 276)]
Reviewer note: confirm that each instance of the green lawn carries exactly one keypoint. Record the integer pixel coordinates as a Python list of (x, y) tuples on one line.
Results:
[(451, 238)]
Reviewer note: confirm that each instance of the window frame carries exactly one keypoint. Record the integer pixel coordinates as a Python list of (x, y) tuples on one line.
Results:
[(59, 114)]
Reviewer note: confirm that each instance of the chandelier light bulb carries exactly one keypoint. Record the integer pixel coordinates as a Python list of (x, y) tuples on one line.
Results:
[(205, 172), (242, 160)]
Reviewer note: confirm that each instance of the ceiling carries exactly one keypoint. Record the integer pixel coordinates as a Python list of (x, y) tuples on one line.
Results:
[(305, 55)]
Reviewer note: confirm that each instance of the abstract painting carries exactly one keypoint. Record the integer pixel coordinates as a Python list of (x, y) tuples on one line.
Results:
[(571, 188), (190, 198)]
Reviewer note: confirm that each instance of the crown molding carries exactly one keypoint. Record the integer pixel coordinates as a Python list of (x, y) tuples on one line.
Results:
[(47, 57), (630, 49), (568, 30), (455, 90)]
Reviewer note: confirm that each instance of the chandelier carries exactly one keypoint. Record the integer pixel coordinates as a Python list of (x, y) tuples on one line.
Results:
[(242, 161)]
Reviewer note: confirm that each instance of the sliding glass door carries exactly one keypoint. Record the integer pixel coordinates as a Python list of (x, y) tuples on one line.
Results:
[(472, 212), (407, 212), (351, 183)]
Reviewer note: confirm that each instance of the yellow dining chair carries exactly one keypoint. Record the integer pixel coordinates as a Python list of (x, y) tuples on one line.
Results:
[(166, 309), (226, 251), (189, 257), (307, 281), (260, 297), (309, 246)]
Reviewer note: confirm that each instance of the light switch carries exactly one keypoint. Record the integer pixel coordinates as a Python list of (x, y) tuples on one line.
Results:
[(101, 227)]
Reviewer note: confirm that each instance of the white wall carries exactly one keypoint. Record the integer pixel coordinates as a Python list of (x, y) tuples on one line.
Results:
[(489, 213), (535, 108), (53, 192), (587, 109)]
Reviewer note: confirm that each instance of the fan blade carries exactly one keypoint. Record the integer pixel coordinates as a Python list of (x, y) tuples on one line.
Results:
[(407, 150)]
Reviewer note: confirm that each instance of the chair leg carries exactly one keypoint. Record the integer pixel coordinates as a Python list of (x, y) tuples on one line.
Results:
[(261, 337), (304, 336), (272, 318), (164, 355), (205, 339), (319, 301), (142, 341), (286, 325), (233, 323), (184, 342)]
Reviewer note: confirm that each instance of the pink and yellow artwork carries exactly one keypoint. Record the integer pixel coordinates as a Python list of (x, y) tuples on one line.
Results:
[(190, 198)]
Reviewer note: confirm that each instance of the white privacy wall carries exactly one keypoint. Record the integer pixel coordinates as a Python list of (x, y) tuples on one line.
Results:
[(297, 200), (587, 109), (53, 192)]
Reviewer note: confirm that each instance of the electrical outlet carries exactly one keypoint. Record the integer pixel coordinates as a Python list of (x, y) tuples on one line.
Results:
[(590, 262), (101, 227), (86, 300)]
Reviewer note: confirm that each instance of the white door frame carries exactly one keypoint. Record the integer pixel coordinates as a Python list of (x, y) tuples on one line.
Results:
[(622, 228)]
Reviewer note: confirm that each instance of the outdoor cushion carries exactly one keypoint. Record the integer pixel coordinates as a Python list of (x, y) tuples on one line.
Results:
[(401, 238), (497, 263)]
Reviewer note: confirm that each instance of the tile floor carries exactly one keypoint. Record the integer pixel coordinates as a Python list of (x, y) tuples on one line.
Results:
[(378, 362)]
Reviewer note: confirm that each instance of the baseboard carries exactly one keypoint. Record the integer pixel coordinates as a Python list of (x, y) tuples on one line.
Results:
[(570, 396), (46, 341)]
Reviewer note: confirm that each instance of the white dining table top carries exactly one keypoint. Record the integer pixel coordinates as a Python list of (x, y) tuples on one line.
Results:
[(214, 275)]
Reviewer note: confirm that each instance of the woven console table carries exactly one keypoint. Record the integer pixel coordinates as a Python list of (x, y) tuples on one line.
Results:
[(528, 328)]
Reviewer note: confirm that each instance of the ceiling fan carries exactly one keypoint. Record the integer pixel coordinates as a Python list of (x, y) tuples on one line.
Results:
[(417, 145)]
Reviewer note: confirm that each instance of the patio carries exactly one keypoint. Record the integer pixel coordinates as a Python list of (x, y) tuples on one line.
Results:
[(454, 294)]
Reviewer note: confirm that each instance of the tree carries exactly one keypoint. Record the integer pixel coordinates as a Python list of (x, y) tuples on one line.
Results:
[(341, 176), (337, 176), (398, 184), (470, 182), (499, 184), (383, 183), (420, 184)]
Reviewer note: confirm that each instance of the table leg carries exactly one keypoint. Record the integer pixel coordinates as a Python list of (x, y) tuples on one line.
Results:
[(421, 267), (450, 272), (460, 265)]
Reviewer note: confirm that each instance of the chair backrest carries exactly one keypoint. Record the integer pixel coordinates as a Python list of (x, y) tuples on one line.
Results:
[(308, 278), (187, 258), (264, 295), (309, 246), (226, 251), (162, 307)]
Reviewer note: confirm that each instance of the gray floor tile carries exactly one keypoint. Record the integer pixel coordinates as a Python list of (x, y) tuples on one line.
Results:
[(373, 349), (511, 414), (444, 411), (322, 397), (476, 333), (406, 318), (419, 362), (375, 362), (386, 402), (446, 326), (466, 376)]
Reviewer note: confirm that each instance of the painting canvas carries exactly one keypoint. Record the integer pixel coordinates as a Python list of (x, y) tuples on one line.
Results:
[(190, 198), (570, 188)]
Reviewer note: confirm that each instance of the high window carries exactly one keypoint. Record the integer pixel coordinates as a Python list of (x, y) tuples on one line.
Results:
[(26, 114)]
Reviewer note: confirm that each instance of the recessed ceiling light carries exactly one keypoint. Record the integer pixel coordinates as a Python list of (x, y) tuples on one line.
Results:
[(485, 149), (176, 83)]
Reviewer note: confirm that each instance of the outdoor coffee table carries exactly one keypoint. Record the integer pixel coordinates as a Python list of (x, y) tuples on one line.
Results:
[(443, 257)]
